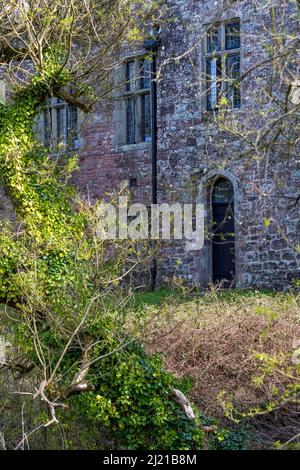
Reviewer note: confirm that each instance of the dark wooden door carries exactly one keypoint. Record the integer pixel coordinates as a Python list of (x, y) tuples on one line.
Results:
[(223, 244)]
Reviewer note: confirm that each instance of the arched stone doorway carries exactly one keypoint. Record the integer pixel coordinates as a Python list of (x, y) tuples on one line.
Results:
[(223, 232)]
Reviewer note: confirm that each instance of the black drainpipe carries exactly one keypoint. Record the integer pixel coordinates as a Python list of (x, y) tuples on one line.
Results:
[(152, 45)]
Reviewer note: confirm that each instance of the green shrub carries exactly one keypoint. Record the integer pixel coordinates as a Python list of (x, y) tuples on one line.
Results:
[(132, 398)]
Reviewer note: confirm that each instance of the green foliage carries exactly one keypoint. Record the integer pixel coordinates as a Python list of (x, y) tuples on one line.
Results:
[(132, 398), (286, 367), (62, 285), (226, 439), (43, 200), (221, 438)]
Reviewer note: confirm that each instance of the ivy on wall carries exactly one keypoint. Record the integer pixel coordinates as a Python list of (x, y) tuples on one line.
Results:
[(50, 272)]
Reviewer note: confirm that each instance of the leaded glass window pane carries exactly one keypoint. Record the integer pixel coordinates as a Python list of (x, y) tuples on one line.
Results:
[(145, 74), (223, 67), (137, 95), (61, 125), (214, 39), (47, 127), (146, 118), (213, 84), (232, 85), (232, 35), (130, 76), (72, 127), (130, 114), (223, 192)]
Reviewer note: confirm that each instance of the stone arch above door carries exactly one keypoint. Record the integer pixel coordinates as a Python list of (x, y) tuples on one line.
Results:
[(211, 176)]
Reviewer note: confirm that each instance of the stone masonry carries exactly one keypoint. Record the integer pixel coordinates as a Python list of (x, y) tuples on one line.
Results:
[(6, 206), (192, 151)]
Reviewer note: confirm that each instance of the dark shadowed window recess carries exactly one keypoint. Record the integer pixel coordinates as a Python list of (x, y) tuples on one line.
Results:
[(222, 66), (47, 127), (223, 191), (137, 100), (146, 118), (133, 182), (59, 125), (72, 127), (130, 120), (130, 75)]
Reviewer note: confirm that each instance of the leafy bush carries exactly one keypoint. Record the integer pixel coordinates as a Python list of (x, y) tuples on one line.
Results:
[(132, 398)]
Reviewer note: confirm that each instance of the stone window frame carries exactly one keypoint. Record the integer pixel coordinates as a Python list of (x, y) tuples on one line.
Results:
[(223, 53), (120, 111), (52, 110)]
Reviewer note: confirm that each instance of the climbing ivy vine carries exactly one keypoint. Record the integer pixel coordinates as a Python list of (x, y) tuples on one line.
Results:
[(68, 308)]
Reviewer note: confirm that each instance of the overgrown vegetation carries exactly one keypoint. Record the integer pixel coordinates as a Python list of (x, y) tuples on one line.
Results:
[(62, 289), (76, 351), (241, 351), (66, 315)]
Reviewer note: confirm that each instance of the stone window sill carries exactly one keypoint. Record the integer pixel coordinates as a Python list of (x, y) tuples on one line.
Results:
[(132, 147)]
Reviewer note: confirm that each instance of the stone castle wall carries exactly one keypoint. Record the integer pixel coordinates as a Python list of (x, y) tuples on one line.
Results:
[(192, 151)]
